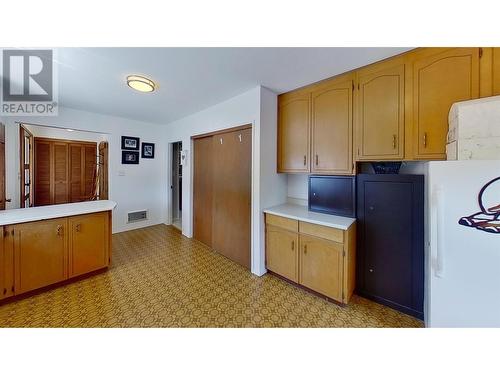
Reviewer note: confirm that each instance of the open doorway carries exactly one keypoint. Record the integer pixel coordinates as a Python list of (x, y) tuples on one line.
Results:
[(61, 165), (176, 185)]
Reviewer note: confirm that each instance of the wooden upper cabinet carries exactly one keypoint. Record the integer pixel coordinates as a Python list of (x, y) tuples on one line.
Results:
[(282, 248), (41, 257), (441, 77), (321, 266), (380, 112), (331, 126), (293, 132), (88, 243)]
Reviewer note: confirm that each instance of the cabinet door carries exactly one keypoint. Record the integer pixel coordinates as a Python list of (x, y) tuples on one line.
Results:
[(331, 126), (321, 266), (3, 289), (496, 71), (61, 172), (88, 243), (439, 80), (391, 248), (282, 248), (293, 133), (380, 112), (40, 254), (6, 262)]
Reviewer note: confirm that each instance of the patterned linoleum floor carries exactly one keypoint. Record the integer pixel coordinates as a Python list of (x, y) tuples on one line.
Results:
[(161, 279)]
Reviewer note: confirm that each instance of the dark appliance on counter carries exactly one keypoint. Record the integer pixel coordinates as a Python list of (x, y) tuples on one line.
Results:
[(390, 253), (334, 195)]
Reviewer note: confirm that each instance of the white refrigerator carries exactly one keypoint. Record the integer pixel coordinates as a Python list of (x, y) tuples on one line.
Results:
[(463, 244)]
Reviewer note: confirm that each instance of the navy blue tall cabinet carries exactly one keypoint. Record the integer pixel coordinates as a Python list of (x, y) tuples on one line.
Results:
[(391, 240)]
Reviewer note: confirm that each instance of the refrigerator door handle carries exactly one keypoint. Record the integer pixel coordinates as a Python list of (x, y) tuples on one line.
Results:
[(437, 225)]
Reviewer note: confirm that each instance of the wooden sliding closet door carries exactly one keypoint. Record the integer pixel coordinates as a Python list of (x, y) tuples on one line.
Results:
[(232, 163), (203, 189)]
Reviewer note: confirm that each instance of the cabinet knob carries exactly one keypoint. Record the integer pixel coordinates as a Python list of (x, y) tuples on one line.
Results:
[(425, 139), (305, 249), (371, 270), (394, 141), (59, 230), (78, 227), (317, 160), (305, 160)]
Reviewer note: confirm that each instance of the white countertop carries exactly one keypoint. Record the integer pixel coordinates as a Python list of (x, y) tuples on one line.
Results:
[(24, 215), (302, 213)]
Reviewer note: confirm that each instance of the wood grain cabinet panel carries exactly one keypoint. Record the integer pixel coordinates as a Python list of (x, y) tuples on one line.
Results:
[(293, 133), (331, 127), (41, 254), (88, 244), (282, 248), (3, 288), (320, 258), (381, 111), (7, 263), (282, 222), (321, 266), (441, 77), (496, 71)]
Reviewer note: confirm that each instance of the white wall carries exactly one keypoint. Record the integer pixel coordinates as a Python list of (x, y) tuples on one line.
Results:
[(257, 107), (142, 187)]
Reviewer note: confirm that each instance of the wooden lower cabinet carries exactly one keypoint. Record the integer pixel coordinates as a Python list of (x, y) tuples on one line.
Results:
[(282, 249), (314, 261), (321, 266), (40, 254), (37, 254), (88, 243)]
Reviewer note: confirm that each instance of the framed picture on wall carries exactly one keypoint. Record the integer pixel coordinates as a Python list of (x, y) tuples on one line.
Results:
[(130, 143), (148, 150), (130, 157)]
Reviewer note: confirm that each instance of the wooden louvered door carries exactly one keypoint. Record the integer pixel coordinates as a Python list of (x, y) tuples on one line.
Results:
[(76, 182), (60, 172), (89, 171), (42, 173), (65, 171)]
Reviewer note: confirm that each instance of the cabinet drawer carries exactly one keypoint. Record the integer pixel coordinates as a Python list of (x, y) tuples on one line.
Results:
[(282, 222), (332, 234)]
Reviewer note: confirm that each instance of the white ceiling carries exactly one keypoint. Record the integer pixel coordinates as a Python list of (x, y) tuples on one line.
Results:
[(192, 79)]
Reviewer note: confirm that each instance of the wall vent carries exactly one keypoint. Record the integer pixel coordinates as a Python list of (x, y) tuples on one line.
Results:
[(137, 216)]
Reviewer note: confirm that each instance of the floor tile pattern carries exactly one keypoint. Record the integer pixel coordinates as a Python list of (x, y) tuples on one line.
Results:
[(161, 279)]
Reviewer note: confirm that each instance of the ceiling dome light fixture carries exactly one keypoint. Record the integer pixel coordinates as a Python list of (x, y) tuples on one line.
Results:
[(141, 83)]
